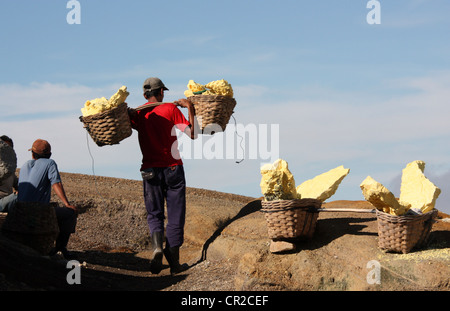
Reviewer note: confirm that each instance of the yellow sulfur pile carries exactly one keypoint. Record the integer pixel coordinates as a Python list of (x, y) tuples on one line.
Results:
[(381, 198), (322, 186), (416, 192), (219, 87), (194, 87), (98, 105), (277, 183)]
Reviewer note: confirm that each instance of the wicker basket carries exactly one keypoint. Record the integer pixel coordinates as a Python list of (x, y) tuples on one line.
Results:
[(291, 219), (403, 233), (32, 224), (109, 127), (213, 111)]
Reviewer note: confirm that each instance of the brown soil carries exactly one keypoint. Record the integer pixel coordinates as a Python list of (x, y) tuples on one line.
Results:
[(226, 246)]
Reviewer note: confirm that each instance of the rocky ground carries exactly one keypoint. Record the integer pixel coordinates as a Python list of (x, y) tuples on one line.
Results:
[(226, 246)]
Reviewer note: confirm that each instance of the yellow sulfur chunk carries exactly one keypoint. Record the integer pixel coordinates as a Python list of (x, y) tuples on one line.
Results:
[(277, 182), (195, 87), (99, 105), (322, 186), (119, 98), (188, 93), (416, 189), (221, 87), (209, 92), (381, 198), (94, 106)]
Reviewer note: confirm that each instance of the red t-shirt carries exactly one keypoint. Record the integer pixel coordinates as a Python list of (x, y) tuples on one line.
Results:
[(157, 136)]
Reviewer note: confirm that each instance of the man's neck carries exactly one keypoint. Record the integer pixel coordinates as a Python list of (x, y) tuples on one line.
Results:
[(154, 99)]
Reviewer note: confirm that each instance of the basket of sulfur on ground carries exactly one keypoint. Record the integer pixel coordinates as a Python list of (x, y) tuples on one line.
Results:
[(404, 223), (291, 219), (287, 217), (403, 233), (111, 124)]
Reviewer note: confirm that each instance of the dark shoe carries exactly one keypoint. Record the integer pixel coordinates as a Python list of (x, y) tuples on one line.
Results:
[(68, 255), (157, 255), (172, 255), (61, 246), (64, 252), (53, 252)]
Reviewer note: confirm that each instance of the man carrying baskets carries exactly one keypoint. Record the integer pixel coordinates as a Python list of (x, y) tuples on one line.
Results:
[(162, 170)]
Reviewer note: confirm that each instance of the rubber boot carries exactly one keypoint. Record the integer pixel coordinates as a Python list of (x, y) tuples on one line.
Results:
[(157, 255), (172, 255), (61, 246)]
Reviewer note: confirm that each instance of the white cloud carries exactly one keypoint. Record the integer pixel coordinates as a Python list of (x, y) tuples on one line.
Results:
[(51, 111), (43, 100)]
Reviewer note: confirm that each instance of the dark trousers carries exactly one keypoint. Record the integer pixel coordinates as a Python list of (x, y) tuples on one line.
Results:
[(167, 185), (67, 219)]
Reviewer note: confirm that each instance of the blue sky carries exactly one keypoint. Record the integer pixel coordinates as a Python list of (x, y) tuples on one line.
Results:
[(370, 97)]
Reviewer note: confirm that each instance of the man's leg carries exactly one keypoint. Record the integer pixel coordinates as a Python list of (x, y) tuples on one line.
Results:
[(176, 213), (67, 221), (154, 204), (176, 205)]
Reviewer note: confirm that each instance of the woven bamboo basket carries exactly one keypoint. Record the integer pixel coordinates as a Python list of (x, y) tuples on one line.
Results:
[(109, 127), (291, 219), (403, 233), (32, 224), (213, 111)]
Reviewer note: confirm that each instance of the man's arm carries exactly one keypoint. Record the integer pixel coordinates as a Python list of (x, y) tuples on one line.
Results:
[(59, 190), (191, 131), (132, 114)]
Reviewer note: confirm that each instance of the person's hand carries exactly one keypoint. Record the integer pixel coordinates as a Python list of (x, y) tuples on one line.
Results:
[(131, 112), (72, 207), (183, 103)]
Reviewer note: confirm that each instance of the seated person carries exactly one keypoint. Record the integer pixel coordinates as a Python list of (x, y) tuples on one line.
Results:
[(8, 185), (38, 177)]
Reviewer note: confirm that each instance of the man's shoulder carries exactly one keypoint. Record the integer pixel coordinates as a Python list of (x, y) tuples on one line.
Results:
[(40, 162), (167, 109), (46, 161), (167, 106)]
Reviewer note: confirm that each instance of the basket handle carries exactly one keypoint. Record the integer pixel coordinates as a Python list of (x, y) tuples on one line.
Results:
[(310, 209)]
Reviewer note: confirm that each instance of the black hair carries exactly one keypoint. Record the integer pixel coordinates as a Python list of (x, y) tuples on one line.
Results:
[(6, 139), (152, 93), (41, 156)]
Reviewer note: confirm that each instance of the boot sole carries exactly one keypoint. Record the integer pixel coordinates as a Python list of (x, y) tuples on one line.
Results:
[(179, 269)]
